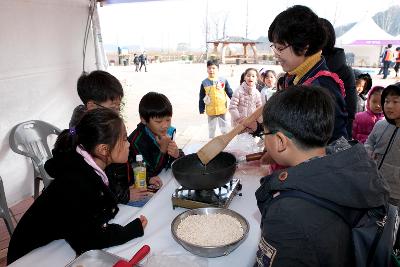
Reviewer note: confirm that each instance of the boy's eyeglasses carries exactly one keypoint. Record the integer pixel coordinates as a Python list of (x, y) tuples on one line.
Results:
[(115, 108), (278, 50), (286, 133)]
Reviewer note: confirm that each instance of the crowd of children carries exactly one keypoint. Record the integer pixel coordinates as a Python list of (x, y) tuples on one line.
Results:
[(304, 111)]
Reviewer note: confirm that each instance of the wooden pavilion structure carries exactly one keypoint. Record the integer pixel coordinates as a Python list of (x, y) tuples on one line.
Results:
[(225, 42)]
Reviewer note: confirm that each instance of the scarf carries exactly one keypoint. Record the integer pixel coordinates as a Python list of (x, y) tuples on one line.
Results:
[(303, 68), (89, 160)]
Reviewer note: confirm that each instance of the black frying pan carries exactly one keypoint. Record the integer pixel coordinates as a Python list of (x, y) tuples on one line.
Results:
[(192, 174)]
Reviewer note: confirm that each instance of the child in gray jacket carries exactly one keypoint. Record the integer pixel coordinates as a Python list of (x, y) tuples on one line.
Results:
[(383, 143)]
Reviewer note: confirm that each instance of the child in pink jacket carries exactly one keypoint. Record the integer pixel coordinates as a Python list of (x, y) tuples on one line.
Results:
[(246, 99), (365, 121)]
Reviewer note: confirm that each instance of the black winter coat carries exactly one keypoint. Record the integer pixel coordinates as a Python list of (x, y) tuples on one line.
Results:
[(76, 206), (336, 62), (296, 232), (333, 88)]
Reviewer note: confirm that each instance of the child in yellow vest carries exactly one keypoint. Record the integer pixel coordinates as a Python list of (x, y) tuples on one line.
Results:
[(214, 93)]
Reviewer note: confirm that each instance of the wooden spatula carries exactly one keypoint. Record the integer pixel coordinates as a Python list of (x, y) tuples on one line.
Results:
[(217, 144)]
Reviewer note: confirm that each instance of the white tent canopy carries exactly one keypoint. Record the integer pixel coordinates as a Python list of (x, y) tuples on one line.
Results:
[(41, 59), (366, 32), (366, 40)]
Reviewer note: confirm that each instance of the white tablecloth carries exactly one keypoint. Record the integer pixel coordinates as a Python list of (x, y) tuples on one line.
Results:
[(158, 235)]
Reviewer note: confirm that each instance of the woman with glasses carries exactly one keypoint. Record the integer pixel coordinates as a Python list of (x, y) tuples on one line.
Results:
[(297, 37)]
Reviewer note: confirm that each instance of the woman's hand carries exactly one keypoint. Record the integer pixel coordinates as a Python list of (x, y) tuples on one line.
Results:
[(250, 127), (155, 180), (136, 194), (144, 221)]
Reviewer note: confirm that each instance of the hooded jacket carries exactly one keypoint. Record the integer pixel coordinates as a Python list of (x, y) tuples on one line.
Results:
[(77, 206), (376, 145), (244, 102), (365, 121), (296, 232)]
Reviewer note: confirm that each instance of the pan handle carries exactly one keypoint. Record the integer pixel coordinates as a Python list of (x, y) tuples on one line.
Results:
[(251, 157)]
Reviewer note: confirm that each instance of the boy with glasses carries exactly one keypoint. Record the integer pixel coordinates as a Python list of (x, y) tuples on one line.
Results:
[(97, 89), (298, 123)]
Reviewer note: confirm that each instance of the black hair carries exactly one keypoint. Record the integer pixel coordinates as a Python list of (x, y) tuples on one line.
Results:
[(242, 78), (265, 73), (398, 48), (212, 62), (307, 112), (330, 36), (391, 90), (389, 46), (99, 86), (368, 82), (299, 27), (154, 105), (251, 69), (97, 126)]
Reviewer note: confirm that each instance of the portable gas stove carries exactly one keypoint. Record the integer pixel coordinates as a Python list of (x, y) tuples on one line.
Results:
[(219, 197)]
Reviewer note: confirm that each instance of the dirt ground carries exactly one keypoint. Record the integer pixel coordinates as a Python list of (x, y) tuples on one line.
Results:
[(180, 82)]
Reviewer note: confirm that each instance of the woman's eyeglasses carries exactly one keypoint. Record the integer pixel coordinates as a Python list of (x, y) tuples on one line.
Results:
[(278, 50)]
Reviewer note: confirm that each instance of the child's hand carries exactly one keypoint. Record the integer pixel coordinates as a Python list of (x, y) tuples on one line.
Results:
[(173, 149), (136, 194), (143, 220), (163, 142), (156, 181)]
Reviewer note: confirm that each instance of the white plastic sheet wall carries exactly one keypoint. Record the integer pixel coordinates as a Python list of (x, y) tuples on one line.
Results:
[(41, 44)]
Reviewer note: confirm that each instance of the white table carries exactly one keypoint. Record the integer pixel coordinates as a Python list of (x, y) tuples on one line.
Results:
[(158, 235)]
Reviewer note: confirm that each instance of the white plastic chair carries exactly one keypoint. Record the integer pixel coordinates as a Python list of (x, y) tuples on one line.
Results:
[(30, 139), (4, 211)]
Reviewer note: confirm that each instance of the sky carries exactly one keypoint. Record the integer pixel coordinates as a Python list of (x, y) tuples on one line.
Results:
[(166, 23)]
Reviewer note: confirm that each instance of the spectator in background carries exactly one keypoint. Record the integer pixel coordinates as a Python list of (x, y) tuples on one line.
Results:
[(136, 61), (397, 65), (336, 61), (363, 85), (387, 60), (143, 61), (365, 121), (381, 61), (214, 96)]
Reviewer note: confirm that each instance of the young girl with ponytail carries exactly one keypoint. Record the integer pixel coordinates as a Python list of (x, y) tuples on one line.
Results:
[(78, 205)]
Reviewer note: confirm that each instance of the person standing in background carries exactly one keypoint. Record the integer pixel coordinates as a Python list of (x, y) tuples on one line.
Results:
[(397, 65), (143, 61), (387, 60), (213, 98), (136, 61), (336, 61)]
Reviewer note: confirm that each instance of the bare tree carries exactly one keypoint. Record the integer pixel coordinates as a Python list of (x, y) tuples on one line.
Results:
[(216, 24), (225, 19)]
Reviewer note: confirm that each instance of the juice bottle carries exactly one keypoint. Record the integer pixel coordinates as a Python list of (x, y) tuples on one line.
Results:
[(139, 172)]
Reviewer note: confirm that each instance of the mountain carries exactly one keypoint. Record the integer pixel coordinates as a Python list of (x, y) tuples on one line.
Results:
[(388, 20)]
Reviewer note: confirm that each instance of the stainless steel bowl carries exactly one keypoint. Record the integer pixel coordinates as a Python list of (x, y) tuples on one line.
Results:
[(210, 251)]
